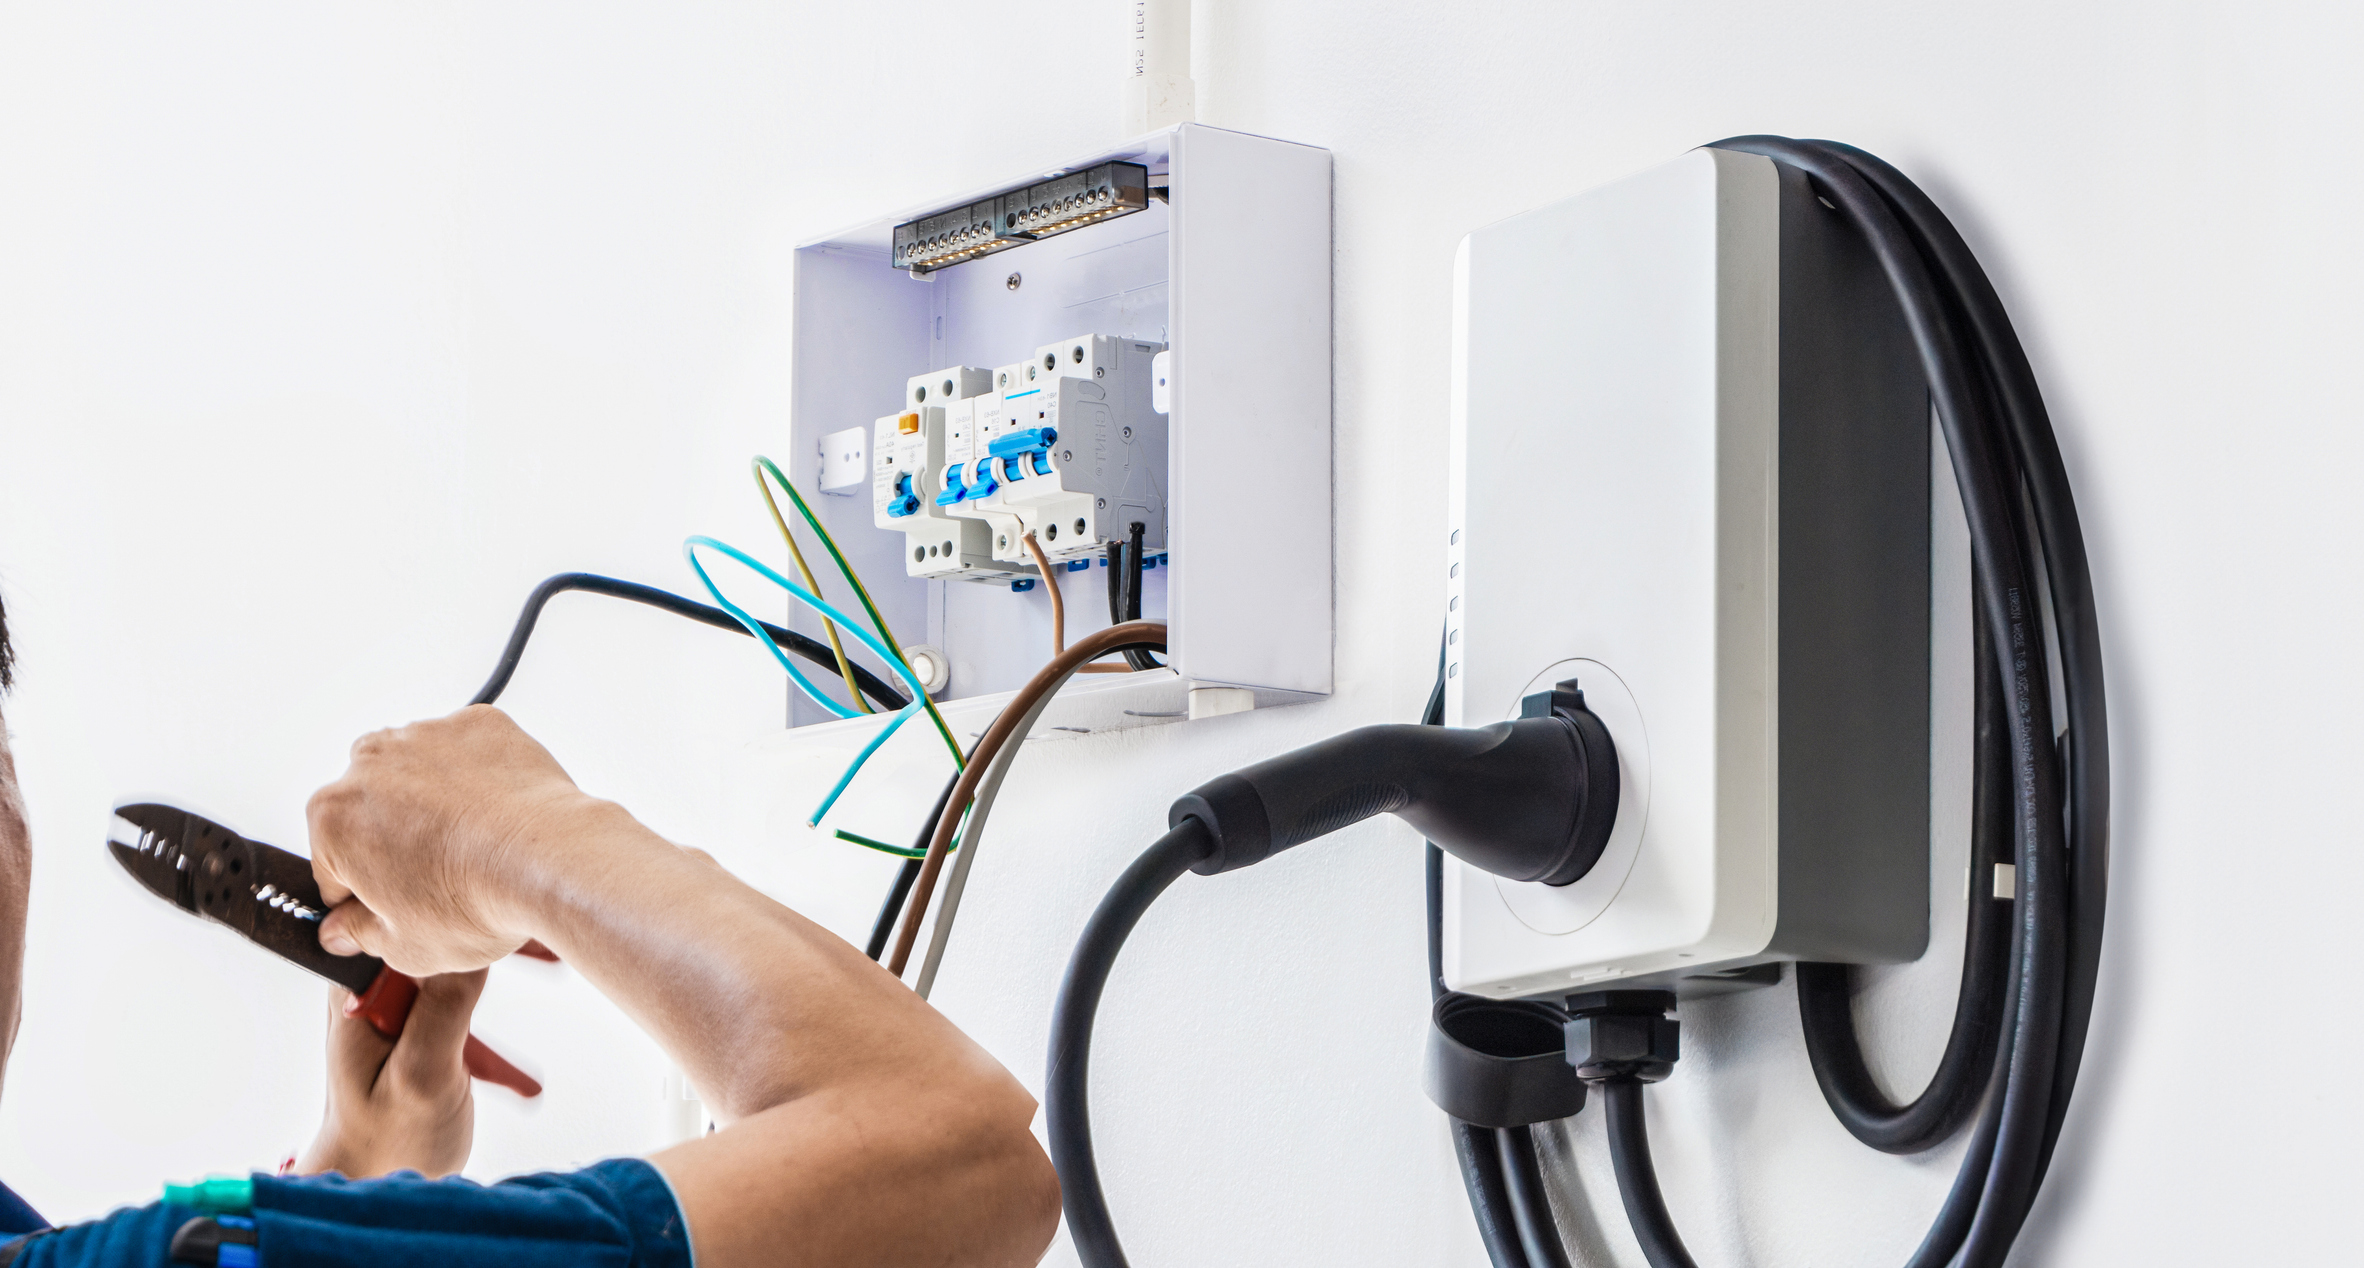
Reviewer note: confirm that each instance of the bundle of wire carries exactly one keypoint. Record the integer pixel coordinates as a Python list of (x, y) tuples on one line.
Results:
[(942, 833), (977, 785)]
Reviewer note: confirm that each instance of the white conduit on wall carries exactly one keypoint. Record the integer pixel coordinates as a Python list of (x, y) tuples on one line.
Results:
[(1158, 92)]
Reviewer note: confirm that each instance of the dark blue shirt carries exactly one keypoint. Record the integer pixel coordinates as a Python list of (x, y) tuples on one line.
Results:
[(15, 1216), (615, 1214)]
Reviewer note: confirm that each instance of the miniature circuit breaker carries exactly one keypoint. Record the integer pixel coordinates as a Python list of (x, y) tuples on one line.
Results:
[(1066, 445), (908, 477)]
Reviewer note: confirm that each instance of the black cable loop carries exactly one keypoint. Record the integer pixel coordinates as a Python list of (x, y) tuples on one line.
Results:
[(1826, 997), (2007, 467), (2077, 624)]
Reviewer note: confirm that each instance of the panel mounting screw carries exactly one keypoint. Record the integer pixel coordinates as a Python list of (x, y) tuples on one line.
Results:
[(1014, 281)]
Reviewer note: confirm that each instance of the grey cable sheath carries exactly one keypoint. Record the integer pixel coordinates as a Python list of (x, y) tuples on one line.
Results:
[(980, 809)]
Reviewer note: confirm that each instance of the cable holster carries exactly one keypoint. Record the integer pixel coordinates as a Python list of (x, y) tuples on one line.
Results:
[(1499, 1063)]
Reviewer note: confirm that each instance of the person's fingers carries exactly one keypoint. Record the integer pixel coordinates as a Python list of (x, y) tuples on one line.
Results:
[(323, 818), (534, 950), (356, 1051), (352, 929), (333, 889), (438, 1026)]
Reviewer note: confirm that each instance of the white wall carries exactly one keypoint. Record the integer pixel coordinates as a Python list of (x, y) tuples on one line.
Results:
[(324, 332)]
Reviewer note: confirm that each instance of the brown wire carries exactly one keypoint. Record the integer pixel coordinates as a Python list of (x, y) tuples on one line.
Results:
[(1045, 681), (1058, 602), (1059, 612)]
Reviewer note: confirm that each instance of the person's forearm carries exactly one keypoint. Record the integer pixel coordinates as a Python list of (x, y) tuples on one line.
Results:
[(733, 985), (863, 1128)]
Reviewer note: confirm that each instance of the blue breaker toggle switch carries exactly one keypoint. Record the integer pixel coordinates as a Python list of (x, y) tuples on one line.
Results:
[(985, 484), (905, 502), (1031, 440)]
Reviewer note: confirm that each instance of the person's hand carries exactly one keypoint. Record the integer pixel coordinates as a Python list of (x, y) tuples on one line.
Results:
[(422, 848), (399, 1105)]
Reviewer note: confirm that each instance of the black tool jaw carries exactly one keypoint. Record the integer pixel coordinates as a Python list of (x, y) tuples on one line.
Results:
[(265, 893)]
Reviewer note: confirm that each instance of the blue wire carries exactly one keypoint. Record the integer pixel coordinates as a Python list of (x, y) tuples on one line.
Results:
[(755, 627), (689, 550)]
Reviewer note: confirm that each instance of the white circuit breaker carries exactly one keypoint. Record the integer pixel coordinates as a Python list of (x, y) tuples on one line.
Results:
[(915, 448), (1065, 445)]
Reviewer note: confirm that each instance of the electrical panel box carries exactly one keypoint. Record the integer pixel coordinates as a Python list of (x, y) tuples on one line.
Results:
[(1140, 337), (1690, 467)]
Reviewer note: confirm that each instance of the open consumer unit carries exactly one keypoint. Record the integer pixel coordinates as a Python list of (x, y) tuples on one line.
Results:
[(1126, 359)]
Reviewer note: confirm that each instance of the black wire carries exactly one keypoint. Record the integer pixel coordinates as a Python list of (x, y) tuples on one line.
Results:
[(892, 909), (1116, 583), (1066, 1085), (1478, 1152), (1826, 1000), (592, 583), (1637, 1180), (1530, 1205), (1131, 591)]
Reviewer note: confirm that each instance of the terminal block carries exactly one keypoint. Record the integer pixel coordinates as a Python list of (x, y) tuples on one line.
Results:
[(1019, 216), (916, 470)]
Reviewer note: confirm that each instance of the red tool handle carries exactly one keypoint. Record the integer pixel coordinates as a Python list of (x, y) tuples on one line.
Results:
[(386, 1005)]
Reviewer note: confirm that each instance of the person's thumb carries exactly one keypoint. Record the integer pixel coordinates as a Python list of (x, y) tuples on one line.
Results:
[(352, 929), (356, 1051)]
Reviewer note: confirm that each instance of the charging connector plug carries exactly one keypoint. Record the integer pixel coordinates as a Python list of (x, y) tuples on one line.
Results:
[(1530, 800)]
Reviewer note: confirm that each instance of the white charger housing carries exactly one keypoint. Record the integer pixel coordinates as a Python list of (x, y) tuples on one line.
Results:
[(1690, 471)]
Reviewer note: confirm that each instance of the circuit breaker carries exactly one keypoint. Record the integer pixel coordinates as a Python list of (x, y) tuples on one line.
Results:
[(915, 451), (1065, 445)]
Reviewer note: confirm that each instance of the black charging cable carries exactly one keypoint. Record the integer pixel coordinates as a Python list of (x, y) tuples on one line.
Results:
[(789, 641), (665, 600)]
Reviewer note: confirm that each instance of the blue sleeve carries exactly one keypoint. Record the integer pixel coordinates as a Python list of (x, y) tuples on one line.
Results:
[(615, 1214), (15, 1216)]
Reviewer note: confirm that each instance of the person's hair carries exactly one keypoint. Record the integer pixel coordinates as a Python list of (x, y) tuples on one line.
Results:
[(7, 653)]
